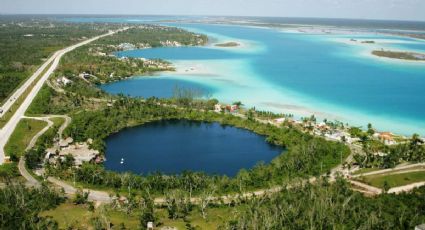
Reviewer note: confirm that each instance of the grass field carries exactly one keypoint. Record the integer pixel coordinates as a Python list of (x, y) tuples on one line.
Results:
[(394, 180), (365, 170), (21, 137), (74, 216), (71, 216), (57, 121)]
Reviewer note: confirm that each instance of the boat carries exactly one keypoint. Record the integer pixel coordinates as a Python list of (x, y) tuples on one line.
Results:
[(122, 161)]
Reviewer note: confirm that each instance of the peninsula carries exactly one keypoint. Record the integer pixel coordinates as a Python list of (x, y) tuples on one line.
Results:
[(228, 44), (399, 55)]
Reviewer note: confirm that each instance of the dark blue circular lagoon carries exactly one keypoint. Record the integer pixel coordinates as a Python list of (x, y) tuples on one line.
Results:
[(174, 146)]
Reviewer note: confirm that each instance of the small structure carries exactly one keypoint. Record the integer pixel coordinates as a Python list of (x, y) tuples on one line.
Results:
[(149, 226), (232, 108), (64, 81), (217, 108), (279, 120), (386, 137), (81, 153), (126, 46), (7, 159), (64, 143), (84, 75)]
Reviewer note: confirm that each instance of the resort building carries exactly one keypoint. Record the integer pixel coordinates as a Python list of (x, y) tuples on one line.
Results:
[(64, 143), (84, 75), (279, 120), (218, 108), (386, 137), (64, 81), (81, 152)]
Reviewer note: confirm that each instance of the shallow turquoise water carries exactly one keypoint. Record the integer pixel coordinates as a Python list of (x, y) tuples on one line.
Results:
[(324, 76), (301, 74)]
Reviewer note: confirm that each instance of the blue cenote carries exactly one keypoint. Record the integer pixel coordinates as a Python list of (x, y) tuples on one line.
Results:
[(298, 72), (178, 145)]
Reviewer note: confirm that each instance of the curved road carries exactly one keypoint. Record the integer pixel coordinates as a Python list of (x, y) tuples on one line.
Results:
[(8, 129)]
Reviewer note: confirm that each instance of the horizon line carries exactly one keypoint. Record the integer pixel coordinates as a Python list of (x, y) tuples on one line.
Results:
[(200, 15)]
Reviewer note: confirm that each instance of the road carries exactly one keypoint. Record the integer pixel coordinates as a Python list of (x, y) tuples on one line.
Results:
[(11, 100), (8, 129), (31, 181)]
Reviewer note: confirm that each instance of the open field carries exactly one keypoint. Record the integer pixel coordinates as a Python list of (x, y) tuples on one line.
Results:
[(21, 137), (394, 180), (69, 214)]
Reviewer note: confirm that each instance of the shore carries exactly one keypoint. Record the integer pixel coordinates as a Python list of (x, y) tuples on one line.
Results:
[(276, 100)]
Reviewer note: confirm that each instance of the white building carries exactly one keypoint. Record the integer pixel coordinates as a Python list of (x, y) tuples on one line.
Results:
[(279, 120), (64, 81), (217, 108)]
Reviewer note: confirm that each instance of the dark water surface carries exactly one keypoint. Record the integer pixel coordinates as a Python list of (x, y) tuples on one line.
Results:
[(177, 145)]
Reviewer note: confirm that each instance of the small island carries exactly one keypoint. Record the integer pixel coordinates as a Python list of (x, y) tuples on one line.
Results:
[(399, 55), (228, 44)]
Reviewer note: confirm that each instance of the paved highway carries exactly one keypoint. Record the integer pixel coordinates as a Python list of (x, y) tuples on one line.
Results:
[(8, 129)]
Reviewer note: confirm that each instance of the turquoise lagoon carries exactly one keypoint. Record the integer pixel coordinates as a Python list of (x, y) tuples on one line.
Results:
[(300, 73)]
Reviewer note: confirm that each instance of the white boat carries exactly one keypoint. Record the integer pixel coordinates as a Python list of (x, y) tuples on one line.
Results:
[(122, 161)]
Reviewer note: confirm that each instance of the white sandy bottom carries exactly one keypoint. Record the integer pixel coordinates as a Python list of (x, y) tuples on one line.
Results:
[(234, 80)]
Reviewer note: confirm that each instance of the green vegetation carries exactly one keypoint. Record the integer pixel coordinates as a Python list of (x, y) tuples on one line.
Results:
[(155, 36), (26, 42), (8, 114), (365, 170), (394, 180), (331, 206), (98, 59), (57, 121), (20, 206), (412, 151), (399, 55), (8, 171), (21, 137), (69, 215), (310, 206), (306, 155), (96, 115), (228, 44)]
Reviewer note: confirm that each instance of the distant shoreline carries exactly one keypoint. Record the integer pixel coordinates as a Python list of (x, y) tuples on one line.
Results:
[(410, 56), (228, 44)]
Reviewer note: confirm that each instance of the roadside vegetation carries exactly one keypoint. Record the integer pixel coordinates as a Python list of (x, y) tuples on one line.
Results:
[(296, 204), (25, 43), (21, 137)]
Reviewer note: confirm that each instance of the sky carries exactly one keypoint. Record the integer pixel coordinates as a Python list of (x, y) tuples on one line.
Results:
[(360, 9)]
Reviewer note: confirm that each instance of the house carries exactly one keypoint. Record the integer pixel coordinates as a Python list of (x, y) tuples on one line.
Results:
[(126, 46), (64, 143), (217, 108), (149, 226), (7, 159), (84, 75), (279, 120), (386, 137), (82, 153), (64, 81), (232, 108)]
